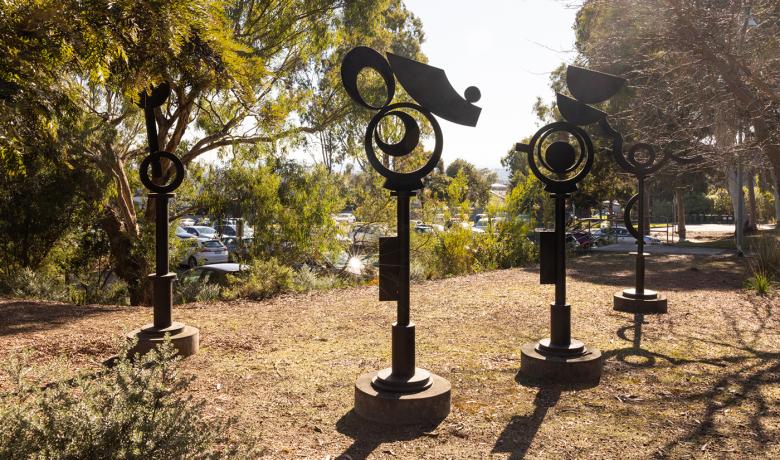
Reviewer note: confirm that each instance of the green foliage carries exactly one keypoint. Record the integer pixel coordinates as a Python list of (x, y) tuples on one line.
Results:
[(765, 255), (760, 283), (30, 284), (476, 183), (135, 410), (266, 278)]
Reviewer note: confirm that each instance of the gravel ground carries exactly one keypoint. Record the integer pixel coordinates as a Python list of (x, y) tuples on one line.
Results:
[(703, 383)]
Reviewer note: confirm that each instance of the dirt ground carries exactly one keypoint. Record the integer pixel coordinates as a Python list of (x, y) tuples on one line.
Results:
[(701, 382)]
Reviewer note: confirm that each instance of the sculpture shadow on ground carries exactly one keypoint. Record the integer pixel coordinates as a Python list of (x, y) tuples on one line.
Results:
[(368, 436), (519, 433)]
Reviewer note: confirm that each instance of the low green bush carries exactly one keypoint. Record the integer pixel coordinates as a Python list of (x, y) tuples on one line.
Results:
[(30, 284), (266, 278), (137, 409), (760, 283)]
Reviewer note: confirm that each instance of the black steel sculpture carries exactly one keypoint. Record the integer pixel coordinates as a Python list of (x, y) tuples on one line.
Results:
[(404, 393), (641, 160), (161, 184), (560, 166)]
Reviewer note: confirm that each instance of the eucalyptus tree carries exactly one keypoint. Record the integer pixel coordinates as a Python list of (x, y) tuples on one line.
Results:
[(238, 70)]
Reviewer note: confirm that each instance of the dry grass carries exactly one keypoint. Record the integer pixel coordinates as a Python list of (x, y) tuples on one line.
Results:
[(704, 383)]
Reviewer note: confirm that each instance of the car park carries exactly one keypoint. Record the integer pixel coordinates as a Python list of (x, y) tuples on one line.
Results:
[(184, 234), (203, 252), (201, 231)]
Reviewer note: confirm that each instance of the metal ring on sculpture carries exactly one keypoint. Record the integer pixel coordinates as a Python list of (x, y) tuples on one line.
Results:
[(627, 217), (354, 62), (398, 180), (585, 155), (648, 166), (178, 168)]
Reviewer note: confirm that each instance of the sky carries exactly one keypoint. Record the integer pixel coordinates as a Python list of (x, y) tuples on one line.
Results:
[(507, 48)]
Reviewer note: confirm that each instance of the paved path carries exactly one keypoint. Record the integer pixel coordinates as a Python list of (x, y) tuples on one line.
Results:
[(663, 249)]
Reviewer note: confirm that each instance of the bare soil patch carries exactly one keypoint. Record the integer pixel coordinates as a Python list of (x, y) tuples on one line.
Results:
[(703, 382)]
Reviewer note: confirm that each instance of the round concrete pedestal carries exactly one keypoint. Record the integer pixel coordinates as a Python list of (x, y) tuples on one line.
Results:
[(648, 303), (429, 406), (185, 339), (576, 369)]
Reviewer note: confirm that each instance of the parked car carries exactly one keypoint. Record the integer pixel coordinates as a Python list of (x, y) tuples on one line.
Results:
[(346, 217), (231, 242), (201, 231), (186, 222), (183, 234), (368, 234), (619, 234), (203, 251), (212, 274), (652, 240)]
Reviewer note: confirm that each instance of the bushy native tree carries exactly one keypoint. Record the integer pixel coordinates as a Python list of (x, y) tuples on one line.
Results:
[(242, 72)]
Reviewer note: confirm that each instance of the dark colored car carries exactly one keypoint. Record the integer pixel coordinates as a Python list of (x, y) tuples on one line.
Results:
[(213, 274)]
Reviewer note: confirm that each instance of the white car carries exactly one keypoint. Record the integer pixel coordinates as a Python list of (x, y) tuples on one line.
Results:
[(201, 231), (346, 217), (204, 251)]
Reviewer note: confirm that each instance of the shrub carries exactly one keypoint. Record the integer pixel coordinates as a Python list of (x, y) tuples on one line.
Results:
[(765, 255), (136, 409), (760, 283), (266, 278), (29, 284), (307, 279)]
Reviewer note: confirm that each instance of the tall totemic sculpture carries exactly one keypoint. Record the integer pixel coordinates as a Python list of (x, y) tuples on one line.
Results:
[(403, 393), (561, 155), (641, 161), (184, 338)]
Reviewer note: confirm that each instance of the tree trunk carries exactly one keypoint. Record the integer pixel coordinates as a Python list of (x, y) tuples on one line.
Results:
[(733, 188), (776, 190), (128, 266), (752, 207), (679, 198)]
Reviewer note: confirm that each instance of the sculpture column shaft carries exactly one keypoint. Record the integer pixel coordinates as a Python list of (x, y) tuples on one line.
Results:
[(403, 247), (403, 349), (560, 312), (560, 254), (162, 280), (640, 244)]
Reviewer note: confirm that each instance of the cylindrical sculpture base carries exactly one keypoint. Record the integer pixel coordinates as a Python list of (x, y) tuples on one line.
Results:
[(573, 369), (429, 406), (185, 339), (648, 302)]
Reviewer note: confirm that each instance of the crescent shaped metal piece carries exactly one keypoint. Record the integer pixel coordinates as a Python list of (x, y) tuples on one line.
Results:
[(156, 98), (590, 86), (396, 180), (576, 112), (431, 88), (627, 217), (409, 140), (356, 60)]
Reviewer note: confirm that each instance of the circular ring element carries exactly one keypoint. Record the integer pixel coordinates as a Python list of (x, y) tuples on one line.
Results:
[(178, 167), (398, 180), (564, 162)]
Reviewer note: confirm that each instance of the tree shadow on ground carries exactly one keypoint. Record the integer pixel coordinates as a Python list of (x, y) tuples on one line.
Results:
[(368, 436), (664, 272), (745, 387), (740, 390), (22, 317)]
